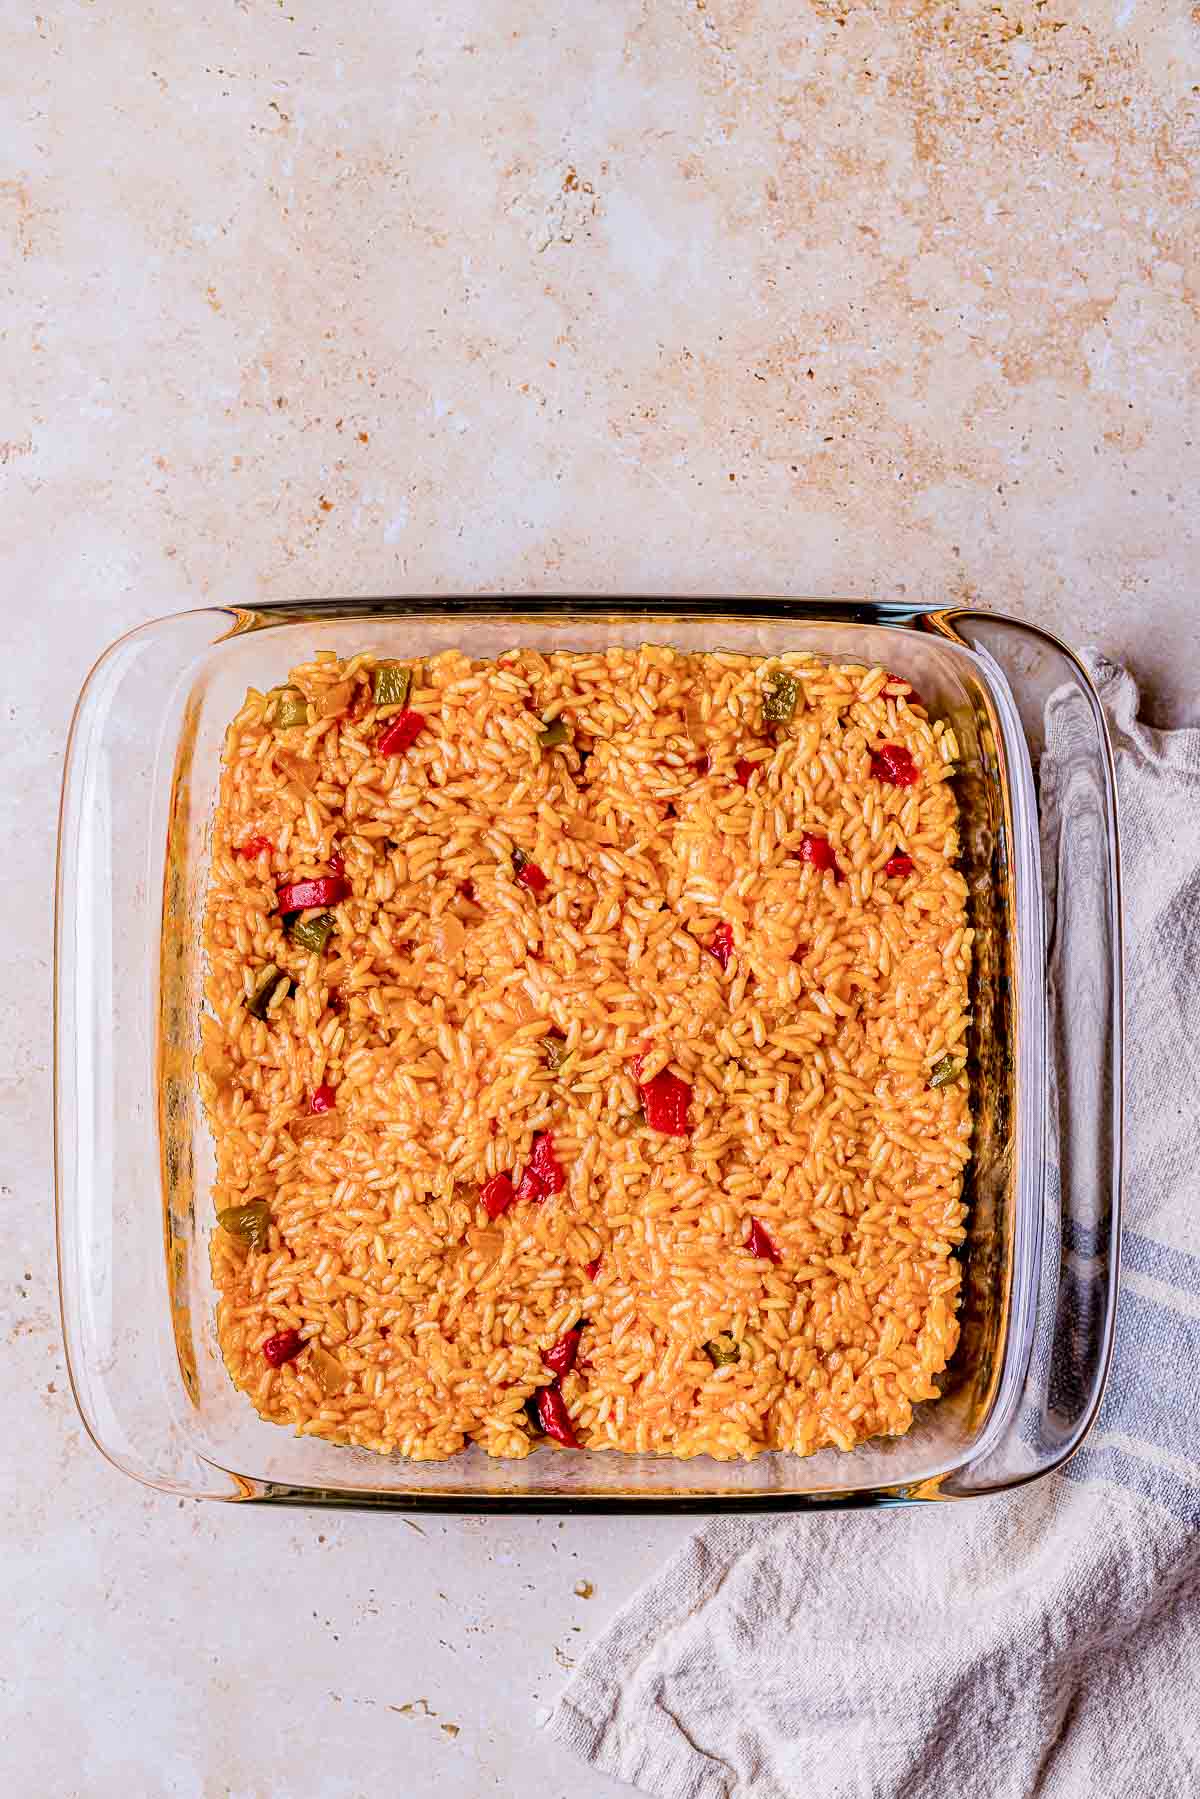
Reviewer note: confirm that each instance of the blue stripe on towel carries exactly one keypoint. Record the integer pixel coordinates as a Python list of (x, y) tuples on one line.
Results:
[(1145, 1255), (1151, 1390), (1151, 1397), (1166, 1487)]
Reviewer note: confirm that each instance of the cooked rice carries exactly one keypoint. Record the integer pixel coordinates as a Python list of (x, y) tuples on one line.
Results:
[(811, 1107)]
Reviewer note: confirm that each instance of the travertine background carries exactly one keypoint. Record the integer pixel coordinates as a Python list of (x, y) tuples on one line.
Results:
[(700, 296), (866, 298)]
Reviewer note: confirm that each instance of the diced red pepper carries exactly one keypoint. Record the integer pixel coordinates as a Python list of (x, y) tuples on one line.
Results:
[(530, 876), (337, 863), (593, 1268), (324, 1099), (401, 733), (665, 1101), (892, 763), (818, 851), (543, 1176), (253, 846), (298, 896), (283, 1348), (801, 950), (743, 770), (703, 764), (759, 1243), (720, 944), (561, 1359), (497, 1195), (552, 1416), (898, 865), (544, 1164), (910, 692), (529, 1187)]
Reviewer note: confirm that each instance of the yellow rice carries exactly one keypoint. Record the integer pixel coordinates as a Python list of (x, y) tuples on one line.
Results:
[(425, 1324)]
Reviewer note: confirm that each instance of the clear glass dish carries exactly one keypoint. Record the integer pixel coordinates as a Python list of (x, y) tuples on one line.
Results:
[(134, 1159)]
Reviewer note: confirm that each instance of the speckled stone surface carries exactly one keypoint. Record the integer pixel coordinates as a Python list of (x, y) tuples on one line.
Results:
[(735, 296)]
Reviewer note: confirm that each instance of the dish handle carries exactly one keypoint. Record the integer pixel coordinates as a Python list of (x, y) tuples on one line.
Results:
[(1074, 1317)]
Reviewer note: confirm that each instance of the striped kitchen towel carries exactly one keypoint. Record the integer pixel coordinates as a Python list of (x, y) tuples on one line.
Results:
[(1042, 1643)]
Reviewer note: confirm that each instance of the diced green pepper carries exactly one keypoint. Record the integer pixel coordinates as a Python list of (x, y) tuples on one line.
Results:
[(779, 699), (286, 708), (722, 1351), (556, 1050), (251, 1222), (264, 992), (555, 734), (390, 684), (947, 1071), (313, 933)]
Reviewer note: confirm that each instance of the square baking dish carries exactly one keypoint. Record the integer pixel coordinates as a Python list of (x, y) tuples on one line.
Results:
[(133, 1154)]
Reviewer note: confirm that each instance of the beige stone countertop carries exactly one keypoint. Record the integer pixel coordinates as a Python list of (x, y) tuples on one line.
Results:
[(709, 296)]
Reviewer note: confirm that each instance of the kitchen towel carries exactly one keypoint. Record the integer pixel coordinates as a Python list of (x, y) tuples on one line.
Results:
[(1041, 1643)]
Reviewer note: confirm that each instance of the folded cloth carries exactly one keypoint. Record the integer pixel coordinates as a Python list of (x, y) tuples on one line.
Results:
[(1045, 1642)]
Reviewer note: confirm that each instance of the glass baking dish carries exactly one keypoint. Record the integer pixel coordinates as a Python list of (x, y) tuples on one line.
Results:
[(134, 1159)]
